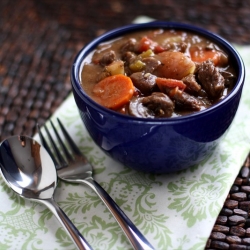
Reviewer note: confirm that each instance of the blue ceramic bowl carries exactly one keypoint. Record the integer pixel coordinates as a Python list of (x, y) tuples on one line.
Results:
[(157, 145)]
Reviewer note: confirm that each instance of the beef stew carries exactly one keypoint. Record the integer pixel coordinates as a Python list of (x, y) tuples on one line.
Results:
[(158, 74)]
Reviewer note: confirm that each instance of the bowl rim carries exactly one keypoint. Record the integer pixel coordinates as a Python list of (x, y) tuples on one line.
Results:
[(115, 33)]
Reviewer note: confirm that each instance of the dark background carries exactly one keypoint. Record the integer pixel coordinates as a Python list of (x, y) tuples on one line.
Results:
[(39, 39)]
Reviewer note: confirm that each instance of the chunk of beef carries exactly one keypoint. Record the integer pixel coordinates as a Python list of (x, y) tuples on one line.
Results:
[(145, 82), (210, 79), (107, 58), (128, 57), (151, 64), (159, 103), (184, 101), (129, 45), (154, 106), (191, 83), (181, 47)]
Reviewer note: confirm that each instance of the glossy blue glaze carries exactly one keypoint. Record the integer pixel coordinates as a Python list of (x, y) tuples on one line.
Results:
[(157, 145)]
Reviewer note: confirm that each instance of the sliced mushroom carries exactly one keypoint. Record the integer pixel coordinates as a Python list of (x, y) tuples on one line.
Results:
[(144, 82), (151, 64), (154, 106)]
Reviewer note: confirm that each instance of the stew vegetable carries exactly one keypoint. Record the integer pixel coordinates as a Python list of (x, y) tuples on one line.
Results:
[(158, 73)]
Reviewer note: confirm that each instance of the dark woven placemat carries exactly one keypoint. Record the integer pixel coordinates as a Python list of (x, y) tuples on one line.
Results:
[(232, 227), (39, 40)]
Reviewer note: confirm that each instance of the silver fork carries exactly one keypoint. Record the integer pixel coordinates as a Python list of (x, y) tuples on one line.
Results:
[(77, 169)]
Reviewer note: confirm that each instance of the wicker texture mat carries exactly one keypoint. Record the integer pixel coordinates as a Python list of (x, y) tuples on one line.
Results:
[(39, 40)]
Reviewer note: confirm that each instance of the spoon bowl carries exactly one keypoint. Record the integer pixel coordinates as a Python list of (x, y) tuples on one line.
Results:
[(28, 169)]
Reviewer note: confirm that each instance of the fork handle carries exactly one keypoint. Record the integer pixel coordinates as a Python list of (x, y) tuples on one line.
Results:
[(73, 232), (136, 238)]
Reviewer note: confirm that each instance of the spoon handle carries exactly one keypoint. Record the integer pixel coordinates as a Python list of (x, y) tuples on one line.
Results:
[(73, 232), (136, 238)]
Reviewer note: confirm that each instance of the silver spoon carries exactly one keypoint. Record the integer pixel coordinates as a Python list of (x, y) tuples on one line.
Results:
[(28, 169)]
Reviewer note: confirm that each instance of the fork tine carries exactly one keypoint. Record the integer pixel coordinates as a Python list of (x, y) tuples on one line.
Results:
[(55, 148), (63, 146), (71, 143), (60, 162), (46, 146)]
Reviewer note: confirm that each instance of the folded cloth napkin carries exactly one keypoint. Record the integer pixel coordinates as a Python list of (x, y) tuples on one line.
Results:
[(174, 211)]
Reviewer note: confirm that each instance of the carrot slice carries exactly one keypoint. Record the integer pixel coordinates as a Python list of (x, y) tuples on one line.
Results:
[(162, 83), (146, 44), (114, 91), (201, 55)]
